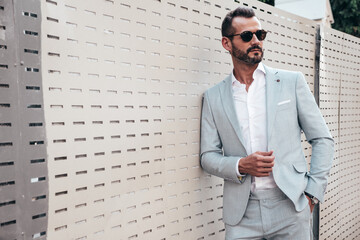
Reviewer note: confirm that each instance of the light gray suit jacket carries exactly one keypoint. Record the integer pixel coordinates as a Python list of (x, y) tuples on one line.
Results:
[(222, 142)]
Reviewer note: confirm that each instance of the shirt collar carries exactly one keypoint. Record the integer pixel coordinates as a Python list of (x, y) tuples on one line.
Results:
[(260, 68)]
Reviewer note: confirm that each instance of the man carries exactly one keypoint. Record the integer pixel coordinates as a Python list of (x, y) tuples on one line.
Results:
[(251, 137)]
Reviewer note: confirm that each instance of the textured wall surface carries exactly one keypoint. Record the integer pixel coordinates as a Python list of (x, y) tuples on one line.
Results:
[(119, 84), (340, 105), (23, 167), (123, 88)]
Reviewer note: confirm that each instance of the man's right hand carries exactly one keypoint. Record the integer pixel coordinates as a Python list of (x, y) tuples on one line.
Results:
[(258, 164)]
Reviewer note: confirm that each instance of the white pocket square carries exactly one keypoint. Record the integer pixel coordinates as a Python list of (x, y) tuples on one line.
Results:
[(283, 102)]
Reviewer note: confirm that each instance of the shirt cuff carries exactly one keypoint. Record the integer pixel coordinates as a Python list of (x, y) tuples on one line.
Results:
[(237, 169)]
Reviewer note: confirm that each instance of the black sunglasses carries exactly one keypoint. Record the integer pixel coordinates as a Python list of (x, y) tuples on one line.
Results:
[(247, 35)]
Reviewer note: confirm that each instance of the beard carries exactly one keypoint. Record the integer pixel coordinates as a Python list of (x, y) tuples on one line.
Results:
[(244, 56)]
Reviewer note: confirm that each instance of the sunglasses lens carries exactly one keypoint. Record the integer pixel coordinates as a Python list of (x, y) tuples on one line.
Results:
[(260, 34), (246, 36)]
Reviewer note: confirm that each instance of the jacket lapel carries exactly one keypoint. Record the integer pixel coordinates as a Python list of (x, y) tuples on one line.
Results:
[(273, 91), (227, 100)]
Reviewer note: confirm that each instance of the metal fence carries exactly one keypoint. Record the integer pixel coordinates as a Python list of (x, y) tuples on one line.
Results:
[(100, 116)]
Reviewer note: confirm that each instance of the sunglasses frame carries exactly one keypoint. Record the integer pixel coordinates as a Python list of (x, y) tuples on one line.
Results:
[(260, 34)]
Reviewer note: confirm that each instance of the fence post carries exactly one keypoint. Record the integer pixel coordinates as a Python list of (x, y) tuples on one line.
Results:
[(317, 65), (316, 212)]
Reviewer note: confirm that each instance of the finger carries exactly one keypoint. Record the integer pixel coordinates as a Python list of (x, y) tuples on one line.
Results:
[(266, 165), (266, 158), (265, 170), (266, 153)]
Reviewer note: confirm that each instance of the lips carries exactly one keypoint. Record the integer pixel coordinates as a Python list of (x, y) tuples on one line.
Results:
[(254, 49)]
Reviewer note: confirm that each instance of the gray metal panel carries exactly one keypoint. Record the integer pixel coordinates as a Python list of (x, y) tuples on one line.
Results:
[(23, 169)]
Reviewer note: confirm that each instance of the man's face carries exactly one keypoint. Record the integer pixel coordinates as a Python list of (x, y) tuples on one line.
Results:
[(249, 52)]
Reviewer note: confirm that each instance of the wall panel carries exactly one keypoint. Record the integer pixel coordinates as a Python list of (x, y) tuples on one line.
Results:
[(23, 168), (339, 102), (120, 83), (123, 89)]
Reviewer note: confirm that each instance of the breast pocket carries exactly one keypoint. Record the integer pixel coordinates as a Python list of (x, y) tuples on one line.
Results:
[(285, 104)]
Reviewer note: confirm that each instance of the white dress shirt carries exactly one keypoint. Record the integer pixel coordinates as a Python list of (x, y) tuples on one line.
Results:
[(251, 113)]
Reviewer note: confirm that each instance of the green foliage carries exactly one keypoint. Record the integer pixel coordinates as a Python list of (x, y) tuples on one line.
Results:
[(271, 2), (346, 16)]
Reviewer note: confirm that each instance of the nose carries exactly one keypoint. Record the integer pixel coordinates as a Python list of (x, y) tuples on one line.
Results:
[(255, 40)]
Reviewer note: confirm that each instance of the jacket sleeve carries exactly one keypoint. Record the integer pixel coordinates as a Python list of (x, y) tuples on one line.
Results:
[(212, 159), (317, 134)]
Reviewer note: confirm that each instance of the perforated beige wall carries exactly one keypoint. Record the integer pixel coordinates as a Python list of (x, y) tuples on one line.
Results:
[(340, 102), (120, 84), (123, 82)]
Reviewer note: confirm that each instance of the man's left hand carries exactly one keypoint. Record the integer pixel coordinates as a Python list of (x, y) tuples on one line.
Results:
[(310, 204)]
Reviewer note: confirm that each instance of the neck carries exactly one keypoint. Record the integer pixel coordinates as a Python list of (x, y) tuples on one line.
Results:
[(243, 72)]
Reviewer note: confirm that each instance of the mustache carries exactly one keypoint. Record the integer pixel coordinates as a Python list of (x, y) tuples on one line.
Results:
[(253, 48)]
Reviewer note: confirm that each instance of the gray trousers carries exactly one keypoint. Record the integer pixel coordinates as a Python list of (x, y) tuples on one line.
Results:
[(271, 215)]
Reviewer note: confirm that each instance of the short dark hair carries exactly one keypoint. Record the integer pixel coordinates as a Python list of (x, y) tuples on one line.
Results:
[(226, 26)]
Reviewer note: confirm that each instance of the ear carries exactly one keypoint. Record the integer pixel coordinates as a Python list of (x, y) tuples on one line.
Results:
[(226, 43)]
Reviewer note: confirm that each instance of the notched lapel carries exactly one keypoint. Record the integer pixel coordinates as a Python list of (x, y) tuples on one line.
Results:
[(227, 101), (273, 91)]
